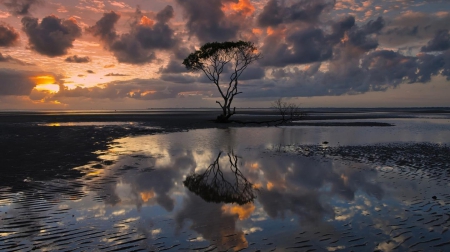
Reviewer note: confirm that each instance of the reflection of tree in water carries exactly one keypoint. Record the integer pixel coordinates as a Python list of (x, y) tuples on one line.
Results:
[(215, 186)]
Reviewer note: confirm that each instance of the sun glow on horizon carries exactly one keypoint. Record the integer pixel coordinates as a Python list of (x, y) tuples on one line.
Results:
[(46, 83)]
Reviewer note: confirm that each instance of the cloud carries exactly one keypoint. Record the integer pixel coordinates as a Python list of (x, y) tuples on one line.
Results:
[(413, 28), (224, 222), (138, 46), (175, 65), (373, 71), (278, 12), (15, 82), (8, 36), (116, 74), (21, 7), (440, 42), (53, 36), (7, 58), (300, 45), (207, 21), (253, 72), (78, 59), (104, 28), (141, 89)]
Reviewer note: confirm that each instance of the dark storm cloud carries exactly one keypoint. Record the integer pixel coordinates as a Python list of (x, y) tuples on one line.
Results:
[(178, 78), (313, 44), (139, 45), (361, 37), (175, 71), (207, 21), (7, 58), (411, 28), (253, 72), (15, 82), (300, 47), (433, 65), (340, 27), (104, 28), (8, 35), (165, 14), (374, 26), (277, 12), (440, 42), (159, 36), (404, 31), (175, 65), (53, 36), (373, 71), (78, 59), (20, 7)]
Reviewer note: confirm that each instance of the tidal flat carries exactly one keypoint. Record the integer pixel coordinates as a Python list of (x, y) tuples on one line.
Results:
[(337, 180)]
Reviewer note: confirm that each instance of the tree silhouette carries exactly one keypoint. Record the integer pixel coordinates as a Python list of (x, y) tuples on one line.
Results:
[(214, 186), (213, 58)]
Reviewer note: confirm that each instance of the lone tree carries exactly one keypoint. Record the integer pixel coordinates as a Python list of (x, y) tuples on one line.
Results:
[(213, 58)]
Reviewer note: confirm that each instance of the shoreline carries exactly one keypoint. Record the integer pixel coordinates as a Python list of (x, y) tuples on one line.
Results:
[(54, 150)]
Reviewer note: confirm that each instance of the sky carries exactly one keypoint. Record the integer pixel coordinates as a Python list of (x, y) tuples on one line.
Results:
[(98, 54)]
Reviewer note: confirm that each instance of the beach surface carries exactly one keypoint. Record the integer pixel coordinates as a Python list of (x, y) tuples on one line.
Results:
[(159, 180)]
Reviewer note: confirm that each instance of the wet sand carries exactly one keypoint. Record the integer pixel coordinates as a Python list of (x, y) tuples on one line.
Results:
[(50, 152), (41, 195)]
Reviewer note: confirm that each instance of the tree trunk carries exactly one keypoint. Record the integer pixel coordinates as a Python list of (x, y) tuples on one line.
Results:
[(226, 112)]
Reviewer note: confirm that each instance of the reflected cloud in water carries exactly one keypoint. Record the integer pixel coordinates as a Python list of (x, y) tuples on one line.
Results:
[(175, 190)]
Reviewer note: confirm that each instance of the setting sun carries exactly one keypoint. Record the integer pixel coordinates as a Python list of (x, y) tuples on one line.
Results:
[(46, 83), (44, 79)]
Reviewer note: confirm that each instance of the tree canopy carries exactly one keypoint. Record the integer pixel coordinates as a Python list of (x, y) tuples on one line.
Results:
[(213, 59)]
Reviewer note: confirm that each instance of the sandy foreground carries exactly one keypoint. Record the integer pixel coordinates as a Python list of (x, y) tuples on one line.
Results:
[(114, 181)]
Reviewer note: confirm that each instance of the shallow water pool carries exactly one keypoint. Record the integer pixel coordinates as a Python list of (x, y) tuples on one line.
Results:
[(234, 189)]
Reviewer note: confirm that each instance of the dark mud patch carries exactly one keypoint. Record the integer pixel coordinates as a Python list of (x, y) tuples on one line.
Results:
[(342, 124), (31, 153), (412, 155)]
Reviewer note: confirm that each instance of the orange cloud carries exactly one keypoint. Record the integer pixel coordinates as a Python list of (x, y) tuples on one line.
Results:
[(146, 21), (243, 6), (243, 212), (51, 88), (148, 92), (146, 196), (257, 31), (257, 185)]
